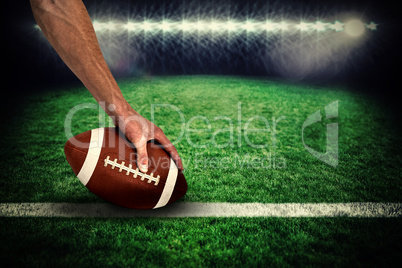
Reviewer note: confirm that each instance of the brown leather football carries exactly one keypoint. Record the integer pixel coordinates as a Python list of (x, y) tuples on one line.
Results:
[(105, 162)]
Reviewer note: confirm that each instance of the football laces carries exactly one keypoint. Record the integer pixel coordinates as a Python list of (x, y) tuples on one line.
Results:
[(128, 169)]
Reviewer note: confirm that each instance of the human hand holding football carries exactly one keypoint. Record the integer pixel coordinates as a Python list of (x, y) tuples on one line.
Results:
[(140, 131)]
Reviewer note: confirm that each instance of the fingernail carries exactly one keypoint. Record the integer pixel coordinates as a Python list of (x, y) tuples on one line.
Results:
[(144, 168)]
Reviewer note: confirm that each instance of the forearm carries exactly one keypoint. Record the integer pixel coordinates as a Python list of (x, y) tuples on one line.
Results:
[(67, 26)]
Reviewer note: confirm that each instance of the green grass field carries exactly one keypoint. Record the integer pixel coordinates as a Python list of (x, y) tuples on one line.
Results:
[(211, 121)]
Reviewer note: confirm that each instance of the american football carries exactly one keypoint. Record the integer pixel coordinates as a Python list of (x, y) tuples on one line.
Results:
[(105, 162)]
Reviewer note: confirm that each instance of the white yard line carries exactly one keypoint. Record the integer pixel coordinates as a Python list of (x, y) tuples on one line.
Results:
[(190, 209)]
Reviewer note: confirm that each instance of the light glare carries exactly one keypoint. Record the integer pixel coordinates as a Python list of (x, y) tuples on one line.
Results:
[(320, 26), (231, 26), (354, 28), (303, 26), (372, 26), (337, 26), (269, 26)]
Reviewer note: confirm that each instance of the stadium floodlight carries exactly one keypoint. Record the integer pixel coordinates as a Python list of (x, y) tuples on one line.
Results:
[(249, 26), (166, 26), (231, 25), (372, 26), (269, 26), (320, 26), (216, 26), (185, 26), (283, 26), (303, 26), (98, 26), (131, 26), (337, 26), (148, 26), (353, 27), (201, 26), (105, 26)]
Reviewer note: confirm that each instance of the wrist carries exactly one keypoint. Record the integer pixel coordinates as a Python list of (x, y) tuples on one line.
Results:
[(119, 111)]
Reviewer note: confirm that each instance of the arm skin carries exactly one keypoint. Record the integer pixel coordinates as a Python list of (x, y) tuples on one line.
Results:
[(67, 26)]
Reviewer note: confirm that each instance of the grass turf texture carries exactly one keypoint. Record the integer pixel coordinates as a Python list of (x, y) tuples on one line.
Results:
[(34, 170), (201, 242)]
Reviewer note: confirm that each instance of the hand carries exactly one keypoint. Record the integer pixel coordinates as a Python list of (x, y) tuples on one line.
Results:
[(139, 131)]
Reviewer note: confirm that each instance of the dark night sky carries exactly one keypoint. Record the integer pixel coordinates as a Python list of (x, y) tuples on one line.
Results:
[(29, 69)]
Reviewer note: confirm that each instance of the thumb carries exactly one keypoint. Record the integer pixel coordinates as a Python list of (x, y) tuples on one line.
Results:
[(142, 158)]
